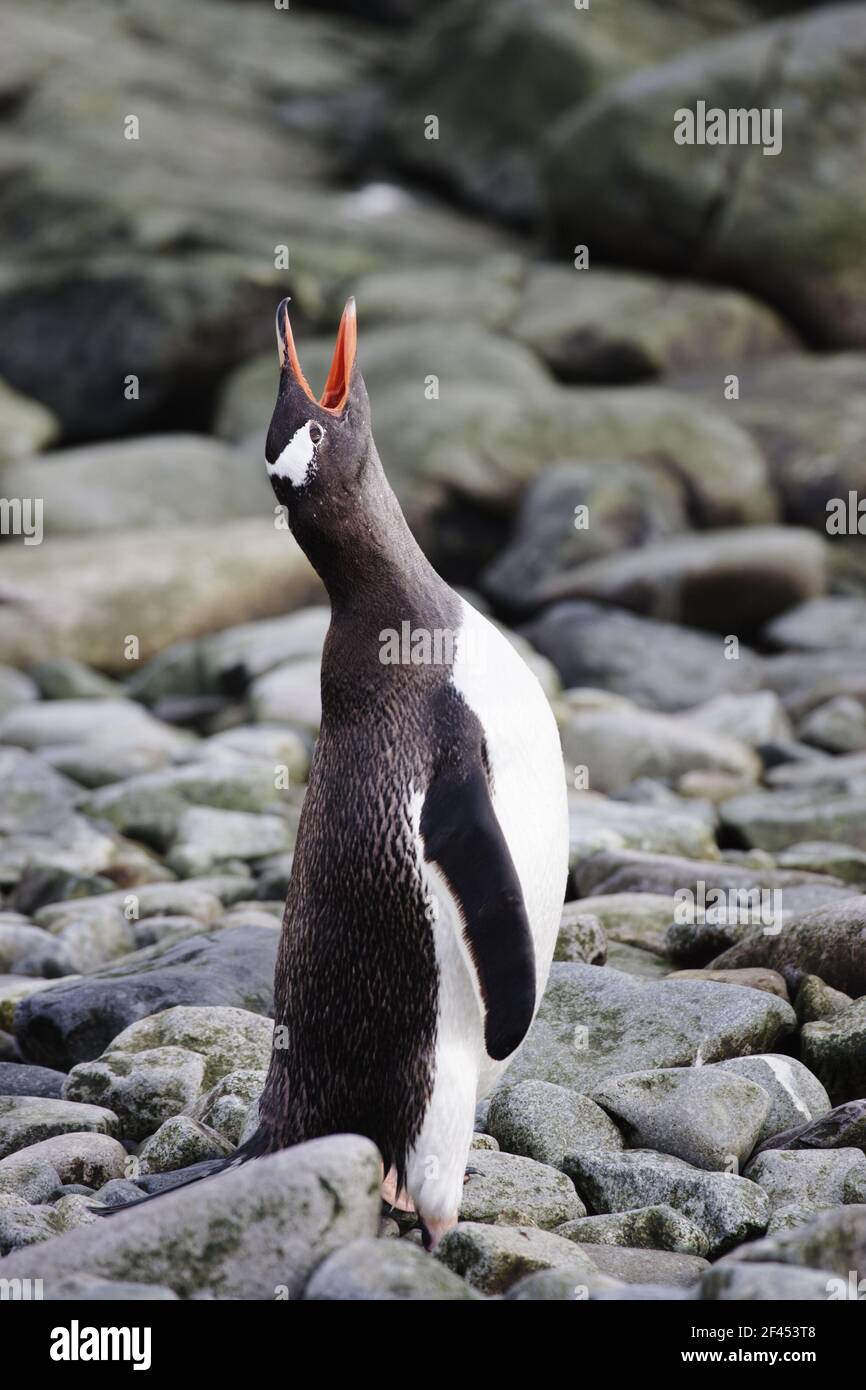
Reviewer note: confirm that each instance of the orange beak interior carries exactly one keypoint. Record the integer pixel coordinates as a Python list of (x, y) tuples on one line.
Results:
[(336, 392)]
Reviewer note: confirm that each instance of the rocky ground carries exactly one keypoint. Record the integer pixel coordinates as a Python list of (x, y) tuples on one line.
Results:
[(688, 1116)]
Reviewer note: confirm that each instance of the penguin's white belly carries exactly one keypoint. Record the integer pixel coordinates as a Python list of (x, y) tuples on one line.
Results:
[(529, 798), (528, 781)]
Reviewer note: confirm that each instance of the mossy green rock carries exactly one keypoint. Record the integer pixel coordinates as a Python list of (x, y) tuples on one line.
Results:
[(505, 1189), (835, 1050), (256, 1234), (788, 224), (545, 1122), (706, 1116), (25, 1120), (226, 1038), (727, 1209), (145, 1087), (225, 1106), (492, 1258), (595, 1023), (180, 1142), (646, 1228), (385, 1270)]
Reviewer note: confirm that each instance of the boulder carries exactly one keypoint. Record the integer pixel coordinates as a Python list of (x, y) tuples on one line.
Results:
[(257, 1233)]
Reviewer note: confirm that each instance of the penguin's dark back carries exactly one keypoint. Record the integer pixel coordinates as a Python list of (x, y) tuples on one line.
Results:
[(357, 978)]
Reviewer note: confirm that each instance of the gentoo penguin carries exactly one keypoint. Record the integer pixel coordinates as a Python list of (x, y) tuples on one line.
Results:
[(431, 858)]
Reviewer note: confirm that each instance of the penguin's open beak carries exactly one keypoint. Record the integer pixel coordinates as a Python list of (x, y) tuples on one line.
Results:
[(336, 391)]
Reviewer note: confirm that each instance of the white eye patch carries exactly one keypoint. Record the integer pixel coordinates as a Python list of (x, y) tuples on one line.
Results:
[(297, 462)]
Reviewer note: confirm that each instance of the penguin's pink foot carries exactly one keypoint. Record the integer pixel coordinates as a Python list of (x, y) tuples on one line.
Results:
[(401, 1200)]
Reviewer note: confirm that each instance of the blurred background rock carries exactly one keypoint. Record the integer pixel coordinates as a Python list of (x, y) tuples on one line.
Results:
[(261, 135)]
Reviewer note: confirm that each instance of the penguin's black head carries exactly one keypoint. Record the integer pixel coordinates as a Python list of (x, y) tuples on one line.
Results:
[(317, 450)]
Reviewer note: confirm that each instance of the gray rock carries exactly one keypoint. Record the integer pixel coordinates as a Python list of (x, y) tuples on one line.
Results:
[(505, 1189), (625, 139), (377, 1270), (85, 1286), (618, 324), (49, 722), (835, 1050), (760, 570), (804, 680), (795, 1094), (634, 919), (485, 1141), (592, 645), (596, 824), (646, 1228), (544, 1122), (486, 63), (289, 694), (151, 807), (636, 962), (178, 1143), (231, 658), (774, 820), (65, 607), (633, 871), (709, 1118), (34, 1179), (206, 837), (285, 748), (830, 942), (754, 719), (644, 1266), (91, 931), (119, 1191), (17, 1079), (581, 937), (492, 1258), (488, 293), (256, 1234), (816, 1000), (81, 1157), (27, 425), (618, 743), (833, 1240), (844, 1127), (835, 621), (64, 678), (77, 1020), (596, 1022), (148, 483), (145, 1087), (624, 499), (227, 1038), (823, 857), (727, 1209), (769, 980), (763, 1282), (26, 1120), (35, 797), (839, 726), (558, 1286), (225, 1106), (15, 688), (810, 1179), (22, 1224)]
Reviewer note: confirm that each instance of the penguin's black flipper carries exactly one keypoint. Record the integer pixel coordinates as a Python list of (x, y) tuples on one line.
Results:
[(183, 1177), (463, 837)]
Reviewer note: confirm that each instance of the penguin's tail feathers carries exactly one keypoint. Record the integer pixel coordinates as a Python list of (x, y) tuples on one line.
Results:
[(159, 1184)]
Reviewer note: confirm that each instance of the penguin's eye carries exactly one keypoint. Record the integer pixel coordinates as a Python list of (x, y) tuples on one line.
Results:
[(316, 434)]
